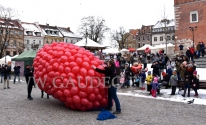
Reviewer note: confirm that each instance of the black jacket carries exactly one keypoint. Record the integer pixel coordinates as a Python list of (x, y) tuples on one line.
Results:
[(156, 68), (28, 75), (188, 77), (128, 72), (17, 69), (195, 81), (109, 74), (6, 72)]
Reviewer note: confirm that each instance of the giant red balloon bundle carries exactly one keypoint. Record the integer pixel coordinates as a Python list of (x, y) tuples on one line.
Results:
[(66, 74)]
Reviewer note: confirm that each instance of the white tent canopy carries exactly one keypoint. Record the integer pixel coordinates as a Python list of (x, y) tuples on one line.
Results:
[(145, 46), (110, 50), (124, 50), (89, 43)]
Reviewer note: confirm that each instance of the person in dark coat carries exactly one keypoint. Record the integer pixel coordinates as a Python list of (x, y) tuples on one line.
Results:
[(2, 72), (109, 72), (188, 53), (195, 82), (17, 73), (29, 80), (6, 77), (156, 68), (166, 79), (188, 79), (127, 73)]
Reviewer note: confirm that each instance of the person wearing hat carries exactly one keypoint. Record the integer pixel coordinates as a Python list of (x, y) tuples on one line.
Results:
[(195, 82), (173, 81), (155, 86), (188, 79), (188, 53), (149, 80)]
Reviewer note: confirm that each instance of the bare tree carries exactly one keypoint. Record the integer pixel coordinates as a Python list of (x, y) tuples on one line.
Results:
[(119, 38), (6, 27), (93, 28)]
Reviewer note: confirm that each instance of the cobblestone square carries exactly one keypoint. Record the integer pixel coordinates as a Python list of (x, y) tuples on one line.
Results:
[(16, 109)]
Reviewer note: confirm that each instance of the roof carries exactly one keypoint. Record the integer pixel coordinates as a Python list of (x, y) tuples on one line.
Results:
[(30, 27), (50, 28), (134, 31), (26, 55), (89, 43), (161, 24), (11, 23), (68, 33)]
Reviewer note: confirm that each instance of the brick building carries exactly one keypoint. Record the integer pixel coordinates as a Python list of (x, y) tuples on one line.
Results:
[(144, 36), (189, 14), (131, 39)]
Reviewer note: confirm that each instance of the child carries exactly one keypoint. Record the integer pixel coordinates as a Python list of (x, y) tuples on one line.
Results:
[(173, 82), (155, 86), (149, 80), (195, 82), (142, 77)]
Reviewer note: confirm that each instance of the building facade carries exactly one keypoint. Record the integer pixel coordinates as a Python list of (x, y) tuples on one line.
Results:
[(51, 34), (163, 32), (131, 39), (144, 36), (69, 36), (12, 35), (33, 36), (190, 22)]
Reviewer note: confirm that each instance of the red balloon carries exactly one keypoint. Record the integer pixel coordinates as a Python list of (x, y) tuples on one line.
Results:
[(74, 91), (76, 99), (82, 94), (92, 97), (84, 102), (75, 70)]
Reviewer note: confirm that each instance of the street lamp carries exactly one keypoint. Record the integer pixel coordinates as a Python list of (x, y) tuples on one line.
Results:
[(193, 30)]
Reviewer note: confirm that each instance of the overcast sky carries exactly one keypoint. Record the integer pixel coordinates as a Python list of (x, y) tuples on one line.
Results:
[(67, 13)]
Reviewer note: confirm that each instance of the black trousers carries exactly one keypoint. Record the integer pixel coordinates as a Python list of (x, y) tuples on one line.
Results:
[(149, 88), (173, 90), (30, 85), (195, 89)]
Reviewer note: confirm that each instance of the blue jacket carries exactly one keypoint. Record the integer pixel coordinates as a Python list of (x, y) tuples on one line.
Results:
[(169, 72), (155, 85)]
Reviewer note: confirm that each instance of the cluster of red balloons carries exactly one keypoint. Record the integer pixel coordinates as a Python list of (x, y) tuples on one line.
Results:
[(136, 68), (147, 50), (64, 71)]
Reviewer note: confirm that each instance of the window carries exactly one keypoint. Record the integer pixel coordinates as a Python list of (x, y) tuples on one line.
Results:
[(71, 41), (168, 38), (148, 38), (7, 52), (193, 16), (139, 38), (34, 42), (39, 42), (14, 53), (66, 41), (20, 33), (161, 38), (143, 37), (155, 38), (173, 37), (14, 43)]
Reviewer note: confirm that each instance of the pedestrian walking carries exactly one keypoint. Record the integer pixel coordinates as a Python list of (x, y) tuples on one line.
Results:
[(17, 73), (29, 80)]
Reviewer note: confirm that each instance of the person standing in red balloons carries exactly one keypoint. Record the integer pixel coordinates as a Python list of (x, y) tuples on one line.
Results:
[(109, 72)]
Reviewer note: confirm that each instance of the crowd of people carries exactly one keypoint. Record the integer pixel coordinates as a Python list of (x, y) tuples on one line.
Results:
[(6, 77), (165, 72)]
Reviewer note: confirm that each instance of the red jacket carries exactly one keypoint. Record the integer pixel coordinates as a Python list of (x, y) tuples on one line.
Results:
[(192, 50)]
